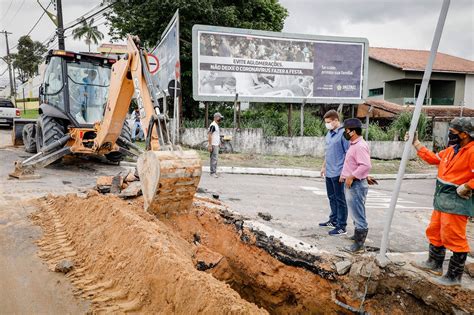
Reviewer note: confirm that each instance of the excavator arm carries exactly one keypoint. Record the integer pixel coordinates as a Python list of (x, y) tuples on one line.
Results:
[(128, 78), (169, 176)]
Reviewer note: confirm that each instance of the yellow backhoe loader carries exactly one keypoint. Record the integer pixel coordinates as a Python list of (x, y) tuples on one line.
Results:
[(84, 103)]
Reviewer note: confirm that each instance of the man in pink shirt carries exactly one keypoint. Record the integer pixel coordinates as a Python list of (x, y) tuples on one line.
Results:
[(355, 173)]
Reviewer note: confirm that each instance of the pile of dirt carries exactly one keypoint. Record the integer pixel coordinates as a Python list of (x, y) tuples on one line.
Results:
[(125, 260), (205, 261)]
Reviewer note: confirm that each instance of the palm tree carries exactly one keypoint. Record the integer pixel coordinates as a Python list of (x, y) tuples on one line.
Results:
[(89, 32)]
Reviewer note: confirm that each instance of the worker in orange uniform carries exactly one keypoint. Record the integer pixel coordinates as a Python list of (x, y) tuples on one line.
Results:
[(453, 201)]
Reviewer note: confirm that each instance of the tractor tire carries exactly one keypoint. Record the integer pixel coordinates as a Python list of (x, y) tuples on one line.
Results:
[(29, 138), (48, 130), (127, 135)]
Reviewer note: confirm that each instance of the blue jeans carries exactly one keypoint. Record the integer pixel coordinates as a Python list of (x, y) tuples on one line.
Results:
[(137, 125), (355, 199), (337, 202)]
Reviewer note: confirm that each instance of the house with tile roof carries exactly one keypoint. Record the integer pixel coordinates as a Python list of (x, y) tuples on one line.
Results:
[(395, 76)]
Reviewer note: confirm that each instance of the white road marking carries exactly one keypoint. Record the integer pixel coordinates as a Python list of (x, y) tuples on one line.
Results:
[(375, 199)]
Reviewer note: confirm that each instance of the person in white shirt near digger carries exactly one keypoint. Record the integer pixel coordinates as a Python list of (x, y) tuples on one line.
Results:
[(214, 142)]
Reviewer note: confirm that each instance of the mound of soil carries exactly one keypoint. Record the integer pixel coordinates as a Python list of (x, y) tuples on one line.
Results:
[(205, 261), (126, 260)]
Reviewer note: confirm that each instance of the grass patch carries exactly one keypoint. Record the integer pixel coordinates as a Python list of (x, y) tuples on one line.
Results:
[(29, 114)]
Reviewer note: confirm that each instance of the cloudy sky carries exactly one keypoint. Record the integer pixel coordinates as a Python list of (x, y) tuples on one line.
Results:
[(385, 23)]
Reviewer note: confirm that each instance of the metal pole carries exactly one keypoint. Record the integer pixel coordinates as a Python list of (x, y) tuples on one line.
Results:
[(238, 116), (381, 258), (367, 117), (12, 86), (235, 109), (302, 118), (24, 101), (206, 120), (290, 114), (60, 29)]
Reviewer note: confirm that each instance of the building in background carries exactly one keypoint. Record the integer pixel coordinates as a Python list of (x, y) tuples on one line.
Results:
[(395, 76), (112, 50)]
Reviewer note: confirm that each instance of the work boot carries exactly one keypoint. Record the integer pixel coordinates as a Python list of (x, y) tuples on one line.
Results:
[(359, 240), (455, 270), (434, 264)]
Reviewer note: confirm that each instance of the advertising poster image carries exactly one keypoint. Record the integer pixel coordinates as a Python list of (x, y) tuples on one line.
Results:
[(264, 68), (167, 53)]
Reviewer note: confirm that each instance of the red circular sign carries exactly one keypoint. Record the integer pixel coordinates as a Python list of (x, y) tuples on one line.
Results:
[(153, 63)]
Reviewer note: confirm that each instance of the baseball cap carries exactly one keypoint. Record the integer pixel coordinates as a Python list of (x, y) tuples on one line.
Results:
[(218, 115), (463, 124), (352, 123)]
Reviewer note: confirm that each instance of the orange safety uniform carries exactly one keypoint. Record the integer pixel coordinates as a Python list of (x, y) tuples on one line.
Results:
[(448, 226)]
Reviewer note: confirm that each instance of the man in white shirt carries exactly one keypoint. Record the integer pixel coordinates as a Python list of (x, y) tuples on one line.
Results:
[(214, 141)]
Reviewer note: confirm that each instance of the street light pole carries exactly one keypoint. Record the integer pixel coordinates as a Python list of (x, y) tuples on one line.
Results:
[(60, 29), (381, 258), (10, 75)]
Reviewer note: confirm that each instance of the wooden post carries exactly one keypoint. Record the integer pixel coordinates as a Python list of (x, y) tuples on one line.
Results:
[(302, 118), (290, 111)]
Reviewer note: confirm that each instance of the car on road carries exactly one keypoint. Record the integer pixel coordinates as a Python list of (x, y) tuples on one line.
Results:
[(8, 112)]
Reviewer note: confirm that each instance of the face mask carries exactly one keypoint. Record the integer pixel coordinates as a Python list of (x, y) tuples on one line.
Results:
[(329, 126), (453, 139), (347, 135)]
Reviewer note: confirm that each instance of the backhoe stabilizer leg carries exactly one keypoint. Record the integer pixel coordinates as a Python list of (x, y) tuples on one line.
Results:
[(49, 154)]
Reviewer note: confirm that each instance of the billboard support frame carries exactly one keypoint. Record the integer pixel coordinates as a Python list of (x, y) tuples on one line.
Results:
[(291, 36)]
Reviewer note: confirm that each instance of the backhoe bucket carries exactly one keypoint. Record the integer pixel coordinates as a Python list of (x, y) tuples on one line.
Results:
[(169, 180)]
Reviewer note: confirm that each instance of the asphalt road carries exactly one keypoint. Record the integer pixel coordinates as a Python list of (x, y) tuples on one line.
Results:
[(297, 205)]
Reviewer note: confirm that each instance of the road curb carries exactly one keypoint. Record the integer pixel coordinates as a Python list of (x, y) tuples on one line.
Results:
[(294, 172)]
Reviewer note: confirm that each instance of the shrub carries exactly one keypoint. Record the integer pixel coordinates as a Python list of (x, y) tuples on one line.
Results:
[(402, 123)]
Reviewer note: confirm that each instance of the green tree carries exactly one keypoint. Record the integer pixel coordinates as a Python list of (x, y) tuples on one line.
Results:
[(89, 32), (148, 19), (29, 56)]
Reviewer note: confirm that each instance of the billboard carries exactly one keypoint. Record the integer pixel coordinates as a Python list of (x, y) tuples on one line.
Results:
[(167, 52), (263, 66)]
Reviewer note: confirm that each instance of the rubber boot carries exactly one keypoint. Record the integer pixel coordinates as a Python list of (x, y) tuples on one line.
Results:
[(434, 264), (455, 270), (359, 240)]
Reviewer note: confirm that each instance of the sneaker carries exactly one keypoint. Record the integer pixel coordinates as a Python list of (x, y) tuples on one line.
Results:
[(214, 175), (327, 224), (337, 232)]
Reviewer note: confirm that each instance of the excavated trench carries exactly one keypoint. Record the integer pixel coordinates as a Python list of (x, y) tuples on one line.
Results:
[(206, 261)]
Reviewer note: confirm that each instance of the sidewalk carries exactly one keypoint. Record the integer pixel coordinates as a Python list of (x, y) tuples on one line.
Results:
[(295, 172)]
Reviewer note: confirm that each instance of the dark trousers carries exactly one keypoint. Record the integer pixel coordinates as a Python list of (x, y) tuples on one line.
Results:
[(337, 202)]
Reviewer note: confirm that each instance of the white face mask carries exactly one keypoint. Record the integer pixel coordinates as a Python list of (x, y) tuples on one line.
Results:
[(329, 126)]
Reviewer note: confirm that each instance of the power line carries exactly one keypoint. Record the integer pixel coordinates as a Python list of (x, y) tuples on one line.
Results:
[(31, 30), (16, 13), (89, 17), (6, 12)]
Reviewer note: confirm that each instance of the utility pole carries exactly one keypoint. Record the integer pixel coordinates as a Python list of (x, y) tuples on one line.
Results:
[(60, 29), (12, 85)]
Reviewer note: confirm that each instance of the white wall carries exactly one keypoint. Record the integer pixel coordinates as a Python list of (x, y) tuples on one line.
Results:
[(469, 91), (254, 142)]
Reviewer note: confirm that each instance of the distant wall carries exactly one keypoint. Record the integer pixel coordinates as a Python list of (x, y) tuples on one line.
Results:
[(253, 141)]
